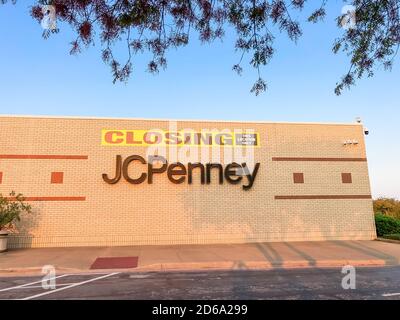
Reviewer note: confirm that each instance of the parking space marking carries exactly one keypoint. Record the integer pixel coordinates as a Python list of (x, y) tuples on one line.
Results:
[(36, 287), (32, 283), (391, 294), (68, 287), (139, 276)]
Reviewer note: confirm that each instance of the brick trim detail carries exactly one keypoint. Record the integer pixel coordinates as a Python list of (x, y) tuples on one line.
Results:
[(318, 159), (43, 156), (315, 197), (298, 177), (347, 178), (57, 177), (51, 198)]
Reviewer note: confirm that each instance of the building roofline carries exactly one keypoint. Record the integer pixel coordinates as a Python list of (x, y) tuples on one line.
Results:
[(166, 120)]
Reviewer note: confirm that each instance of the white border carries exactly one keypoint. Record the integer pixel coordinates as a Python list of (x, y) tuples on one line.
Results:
[(166, 120)]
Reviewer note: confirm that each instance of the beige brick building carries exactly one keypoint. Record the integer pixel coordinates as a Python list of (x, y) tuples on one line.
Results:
[(311, 184)]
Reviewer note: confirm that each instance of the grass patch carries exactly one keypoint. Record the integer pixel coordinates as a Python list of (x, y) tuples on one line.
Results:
[(395, 236)]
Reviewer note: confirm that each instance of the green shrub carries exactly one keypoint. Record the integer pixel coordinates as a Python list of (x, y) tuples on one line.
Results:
[(395, 236), (386, 225), (11, 208)]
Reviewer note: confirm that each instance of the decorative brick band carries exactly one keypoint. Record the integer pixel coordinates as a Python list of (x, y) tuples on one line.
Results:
[(51, 198), (318, 197), (42, 156), (318, 159)]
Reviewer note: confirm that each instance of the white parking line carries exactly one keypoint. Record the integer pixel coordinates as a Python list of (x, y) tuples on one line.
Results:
[(32, 283), (68, 287), (37, 287), (391, 294)]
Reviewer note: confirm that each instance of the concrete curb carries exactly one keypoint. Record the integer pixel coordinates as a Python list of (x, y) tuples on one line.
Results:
[(260, 265), (35, 271), (208, 266), (388, 240)]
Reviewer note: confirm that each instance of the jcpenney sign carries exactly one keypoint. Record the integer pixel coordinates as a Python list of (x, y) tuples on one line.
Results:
[(233, 173)]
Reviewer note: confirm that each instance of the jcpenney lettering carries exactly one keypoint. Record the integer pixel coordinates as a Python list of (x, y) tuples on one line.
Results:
[(178, 173)]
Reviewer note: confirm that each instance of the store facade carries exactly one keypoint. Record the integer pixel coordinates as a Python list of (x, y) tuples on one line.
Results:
[(111, 182)]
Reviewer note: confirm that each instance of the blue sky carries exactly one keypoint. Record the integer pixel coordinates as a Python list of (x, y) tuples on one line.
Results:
[(38, 76)]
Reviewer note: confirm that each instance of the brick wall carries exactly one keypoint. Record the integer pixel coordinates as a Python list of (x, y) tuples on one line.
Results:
[(58, 164)]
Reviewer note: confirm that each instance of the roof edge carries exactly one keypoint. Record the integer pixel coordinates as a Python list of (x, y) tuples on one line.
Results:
[(166, 120)]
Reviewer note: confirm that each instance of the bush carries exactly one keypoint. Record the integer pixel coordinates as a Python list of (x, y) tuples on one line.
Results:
[(395, 236), (10, 210), (386, 225), (387, 206)]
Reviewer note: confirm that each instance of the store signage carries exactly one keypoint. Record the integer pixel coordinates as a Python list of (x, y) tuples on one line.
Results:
[(178, 138), (233, 173)]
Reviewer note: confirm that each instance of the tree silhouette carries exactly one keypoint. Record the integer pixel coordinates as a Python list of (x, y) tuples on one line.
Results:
[(371, 30)]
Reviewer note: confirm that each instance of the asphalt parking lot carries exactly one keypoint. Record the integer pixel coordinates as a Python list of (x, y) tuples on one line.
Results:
[(310, 283)]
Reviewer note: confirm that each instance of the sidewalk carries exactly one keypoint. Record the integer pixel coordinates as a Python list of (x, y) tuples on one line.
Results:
[(200, 257)]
